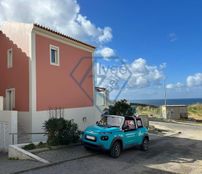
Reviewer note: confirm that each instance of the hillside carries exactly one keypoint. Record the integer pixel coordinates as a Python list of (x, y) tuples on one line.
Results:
[(195, 111)]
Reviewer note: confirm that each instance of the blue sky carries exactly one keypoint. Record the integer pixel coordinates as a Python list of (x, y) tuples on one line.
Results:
[(156, 39), (159, 31)]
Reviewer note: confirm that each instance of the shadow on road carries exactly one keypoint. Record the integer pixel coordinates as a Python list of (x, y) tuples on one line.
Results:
[(175, 150)]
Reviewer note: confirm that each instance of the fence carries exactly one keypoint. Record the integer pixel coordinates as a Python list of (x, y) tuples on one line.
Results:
[(20, 136)]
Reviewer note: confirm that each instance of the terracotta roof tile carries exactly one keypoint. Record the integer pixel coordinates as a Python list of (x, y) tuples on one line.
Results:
[(63, 35)]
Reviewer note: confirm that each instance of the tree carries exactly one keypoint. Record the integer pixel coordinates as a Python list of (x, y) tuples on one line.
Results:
[(122, 108)]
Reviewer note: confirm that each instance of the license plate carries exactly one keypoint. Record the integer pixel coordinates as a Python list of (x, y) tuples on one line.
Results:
[(90, 137)]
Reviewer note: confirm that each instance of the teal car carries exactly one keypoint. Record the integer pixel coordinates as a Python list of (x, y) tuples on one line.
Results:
[(115, 133)]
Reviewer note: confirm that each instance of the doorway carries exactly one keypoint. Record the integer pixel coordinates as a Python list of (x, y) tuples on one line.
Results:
[(10, 99)]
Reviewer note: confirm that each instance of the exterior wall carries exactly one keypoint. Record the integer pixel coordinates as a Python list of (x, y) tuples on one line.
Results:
[(84, 117), (9, 118), (16, 77), (1, 103), (24, 126), (174, 112), (58, 86)]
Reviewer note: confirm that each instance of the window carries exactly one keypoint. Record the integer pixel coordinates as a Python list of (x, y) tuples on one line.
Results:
[(129, 125), (139, 123), (10, 58), (54, 55), (10, 99)]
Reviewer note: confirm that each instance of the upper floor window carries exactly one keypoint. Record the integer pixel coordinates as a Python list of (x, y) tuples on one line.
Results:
[(10, 58), (54, 55)]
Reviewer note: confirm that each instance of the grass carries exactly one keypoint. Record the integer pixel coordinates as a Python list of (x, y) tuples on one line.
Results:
[(149, 110), (32, 146), (194, 111)]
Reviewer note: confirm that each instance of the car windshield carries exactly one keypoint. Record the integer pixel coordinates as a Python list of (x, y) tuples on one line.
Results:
[(110, 121)]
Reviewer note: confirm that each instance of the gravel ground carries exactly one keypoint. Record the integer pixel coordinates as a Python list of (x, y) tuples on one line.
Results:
[(65, 154), (10, 166)]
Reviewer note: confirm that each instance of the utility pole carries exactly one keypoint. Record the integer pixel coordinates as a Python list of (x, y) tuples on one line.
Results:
[(165, 93)]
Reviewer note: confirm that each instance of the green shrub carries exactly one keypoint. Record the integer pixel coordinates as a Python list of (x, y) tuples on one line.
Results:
[(121, 107), (61, 131), (29, 146), (41, 145)]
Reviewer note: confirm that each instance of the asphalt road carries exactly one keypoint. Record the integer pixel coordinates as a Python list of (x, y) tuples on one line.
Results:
[(177, 153)]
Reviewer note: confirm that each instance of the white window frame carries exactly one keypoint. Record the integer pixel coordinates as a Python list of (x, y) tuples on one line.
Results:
[(12, 100), (10, 58), (57, 55)]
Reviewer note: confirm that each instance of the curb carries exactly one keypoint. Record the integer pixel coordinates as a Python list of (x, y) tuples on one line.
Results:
[(188, 123), (36, 151), (16, 152)]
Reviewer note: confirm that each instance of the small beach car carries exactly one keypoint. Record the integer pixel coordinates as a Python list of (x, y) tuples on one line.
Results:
[(116, 133)]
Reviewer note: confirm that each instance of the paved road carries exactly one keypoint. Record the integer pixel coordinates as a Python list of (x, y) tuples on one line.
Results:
[(179, 153)]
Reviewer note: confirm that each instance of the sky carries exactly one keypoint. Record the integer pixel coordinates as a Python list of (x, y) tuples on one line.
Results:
[(157, 41)]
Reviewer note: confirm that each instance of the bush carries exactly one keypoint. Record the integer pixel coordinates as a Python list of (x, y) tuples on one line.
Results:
[(61, 131), (121, 107), (29, 146)]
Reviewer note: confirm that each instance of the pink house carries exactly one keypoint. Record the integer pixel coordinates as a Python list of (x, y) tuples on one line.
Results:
[(40, 70)]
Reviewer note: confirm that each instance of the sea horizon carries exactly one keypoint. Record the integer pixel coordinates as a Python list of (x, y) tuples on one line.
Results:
[(169, 101)]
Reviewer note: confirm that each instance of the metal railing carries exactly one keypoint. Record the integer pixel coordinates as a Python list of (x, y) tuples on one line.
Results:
[(22, 135)]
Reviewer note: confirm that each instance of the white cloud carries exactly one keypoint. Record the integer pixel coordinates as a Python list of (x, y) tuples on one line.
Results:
[(63, 16), (191, 81), (194, 80), (106, 34), (163, 65), (144, 75), (139, 74), (105, 52), (178, 85)]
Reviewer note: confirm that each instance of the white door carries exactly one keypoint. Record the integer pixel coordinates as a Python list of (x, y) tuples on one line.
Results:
[(10, 99)]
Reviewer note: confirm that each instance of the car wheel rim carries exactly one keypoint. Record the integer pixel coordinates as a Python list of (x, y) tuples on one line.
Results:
[(117, 150), (146, 146)]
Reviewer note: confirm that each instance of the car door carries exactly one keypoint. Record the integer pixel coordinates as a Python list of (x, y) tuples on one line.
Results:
[(140, 131), (130, 132)]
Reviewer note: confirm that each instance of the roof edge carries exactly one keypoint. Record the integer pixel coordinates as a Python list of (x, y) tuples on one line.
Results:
[(62, 35)]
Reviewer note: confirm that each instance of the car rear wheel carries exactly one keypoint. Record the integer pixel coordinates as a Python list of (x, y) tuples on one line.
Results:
[(145, 144), (115, 150)]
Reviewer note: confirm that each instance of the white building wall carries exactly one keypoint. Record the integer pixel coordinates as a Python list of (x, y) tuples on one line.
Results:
[(8, 120), (32, 122)]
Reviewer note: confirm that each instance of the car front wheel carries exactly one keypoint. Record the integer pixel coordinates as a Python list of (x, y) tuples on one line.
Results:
[(115, 150), (145, 144)]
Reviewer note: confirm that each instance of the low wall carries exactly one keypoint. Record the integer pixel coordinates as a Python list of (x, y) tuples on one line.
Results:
[(16, 152), (32, 122), (8, 120)]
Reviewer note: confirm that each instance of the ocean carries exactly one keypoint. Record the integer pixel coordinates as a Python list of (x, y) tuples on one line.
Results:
[(159, 102)]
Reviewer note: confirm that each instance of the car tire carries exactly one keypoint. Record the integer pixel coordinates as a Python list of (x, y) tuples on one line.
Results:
[(115, 150), (145, 145), (87, 148)]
